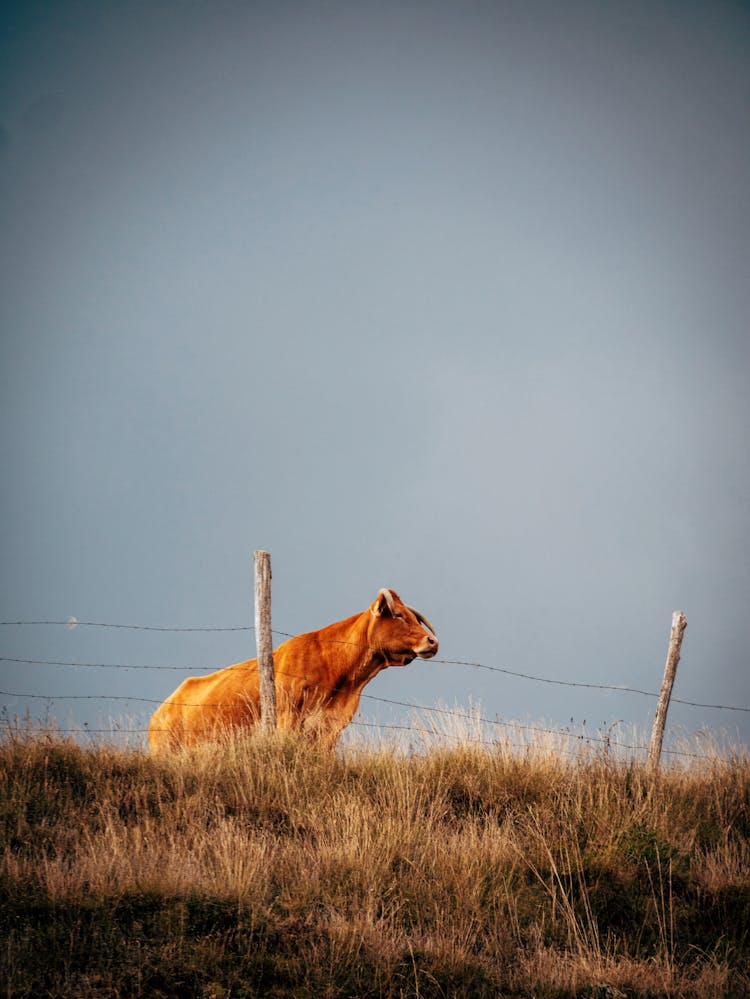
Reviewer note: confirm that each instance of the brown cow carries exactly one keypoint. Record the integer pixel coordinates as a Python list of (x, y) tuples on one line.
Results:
[(319, 678)]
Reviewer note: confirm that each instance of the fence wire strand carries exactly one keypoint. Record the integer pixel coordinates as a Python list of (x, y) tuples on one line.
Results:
[(617, 688), (73, 623)]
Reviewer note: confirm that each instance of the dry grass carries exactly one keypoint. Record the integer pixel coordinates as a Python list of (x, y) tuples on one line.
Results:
[(263, 868)]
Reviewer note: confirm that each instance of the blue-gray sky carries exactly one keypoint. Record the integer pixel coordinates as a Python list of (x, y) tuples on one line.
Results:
[(448, 297)]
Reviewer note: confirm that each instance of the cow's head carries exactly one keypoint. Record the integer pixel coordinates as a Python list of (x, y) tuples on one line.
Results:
[(400, 632)]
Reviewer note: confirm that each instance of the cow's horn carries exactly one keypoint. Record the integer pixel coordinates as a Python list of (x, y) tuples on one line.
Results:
[(388, 596), (422, 620)]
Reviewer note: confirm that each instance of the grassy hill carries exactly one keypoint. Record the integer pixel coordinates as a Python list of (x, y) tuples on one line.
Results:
[(262, 868)]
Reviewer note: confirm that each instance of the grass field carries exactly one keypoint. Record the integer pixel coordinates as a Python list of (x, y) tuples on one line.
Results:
[(263, 868)]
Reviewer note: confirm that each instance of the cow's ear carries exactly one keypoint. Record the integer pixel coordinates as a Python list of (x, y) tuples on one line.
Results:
[(383, 606)]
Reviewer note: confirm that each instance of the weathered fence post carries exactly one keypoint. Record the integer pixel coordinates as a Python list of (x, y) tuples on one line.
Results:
[(264, 640), (679, 623)]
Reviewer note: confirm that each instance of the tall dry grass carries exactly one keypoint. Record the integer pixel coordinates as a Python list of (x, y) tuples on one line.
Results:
[(260, 867)]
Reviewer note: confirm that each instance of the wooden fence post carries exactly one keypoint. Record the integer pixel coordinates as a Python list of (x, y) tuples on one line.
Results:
[(679, 623), (264, 641)]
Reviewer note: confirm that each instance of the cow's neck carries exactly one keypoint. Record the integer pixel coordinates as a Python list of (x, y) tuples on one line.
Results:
[(352, 662)]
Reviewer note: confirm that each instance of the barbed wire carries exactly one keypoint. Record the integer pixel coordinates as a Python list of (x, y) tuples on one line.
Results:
[(223, 704), (73, 623), (617, 688), (474, 717), (606, 741), (581, 738), (80, 665)]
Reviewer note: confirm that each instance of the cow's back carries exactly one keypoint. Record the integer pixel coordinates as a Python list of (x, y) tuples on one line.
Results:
[(308, 677), (203, 706)]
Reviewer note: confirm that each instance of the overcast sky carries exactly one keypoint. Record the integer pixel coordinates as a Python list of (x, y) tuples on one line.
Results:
[(447, 297)]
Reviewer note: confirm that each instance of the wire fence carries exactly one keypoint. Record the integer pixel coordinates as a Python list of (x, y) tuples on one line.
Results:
[(605, 741)]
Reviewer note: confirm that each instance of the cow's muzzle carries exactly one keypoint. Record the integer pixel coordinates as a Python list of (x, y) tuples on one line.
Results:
[(428, 648)]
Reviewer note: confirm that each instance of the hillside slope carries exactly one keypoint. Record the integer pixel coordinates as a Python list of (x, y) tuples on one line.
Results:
[(261, 868)]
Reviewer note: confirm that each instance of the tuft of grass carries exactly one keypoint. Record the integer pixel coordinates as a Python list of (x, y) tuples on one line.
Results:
[(259, 866)]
